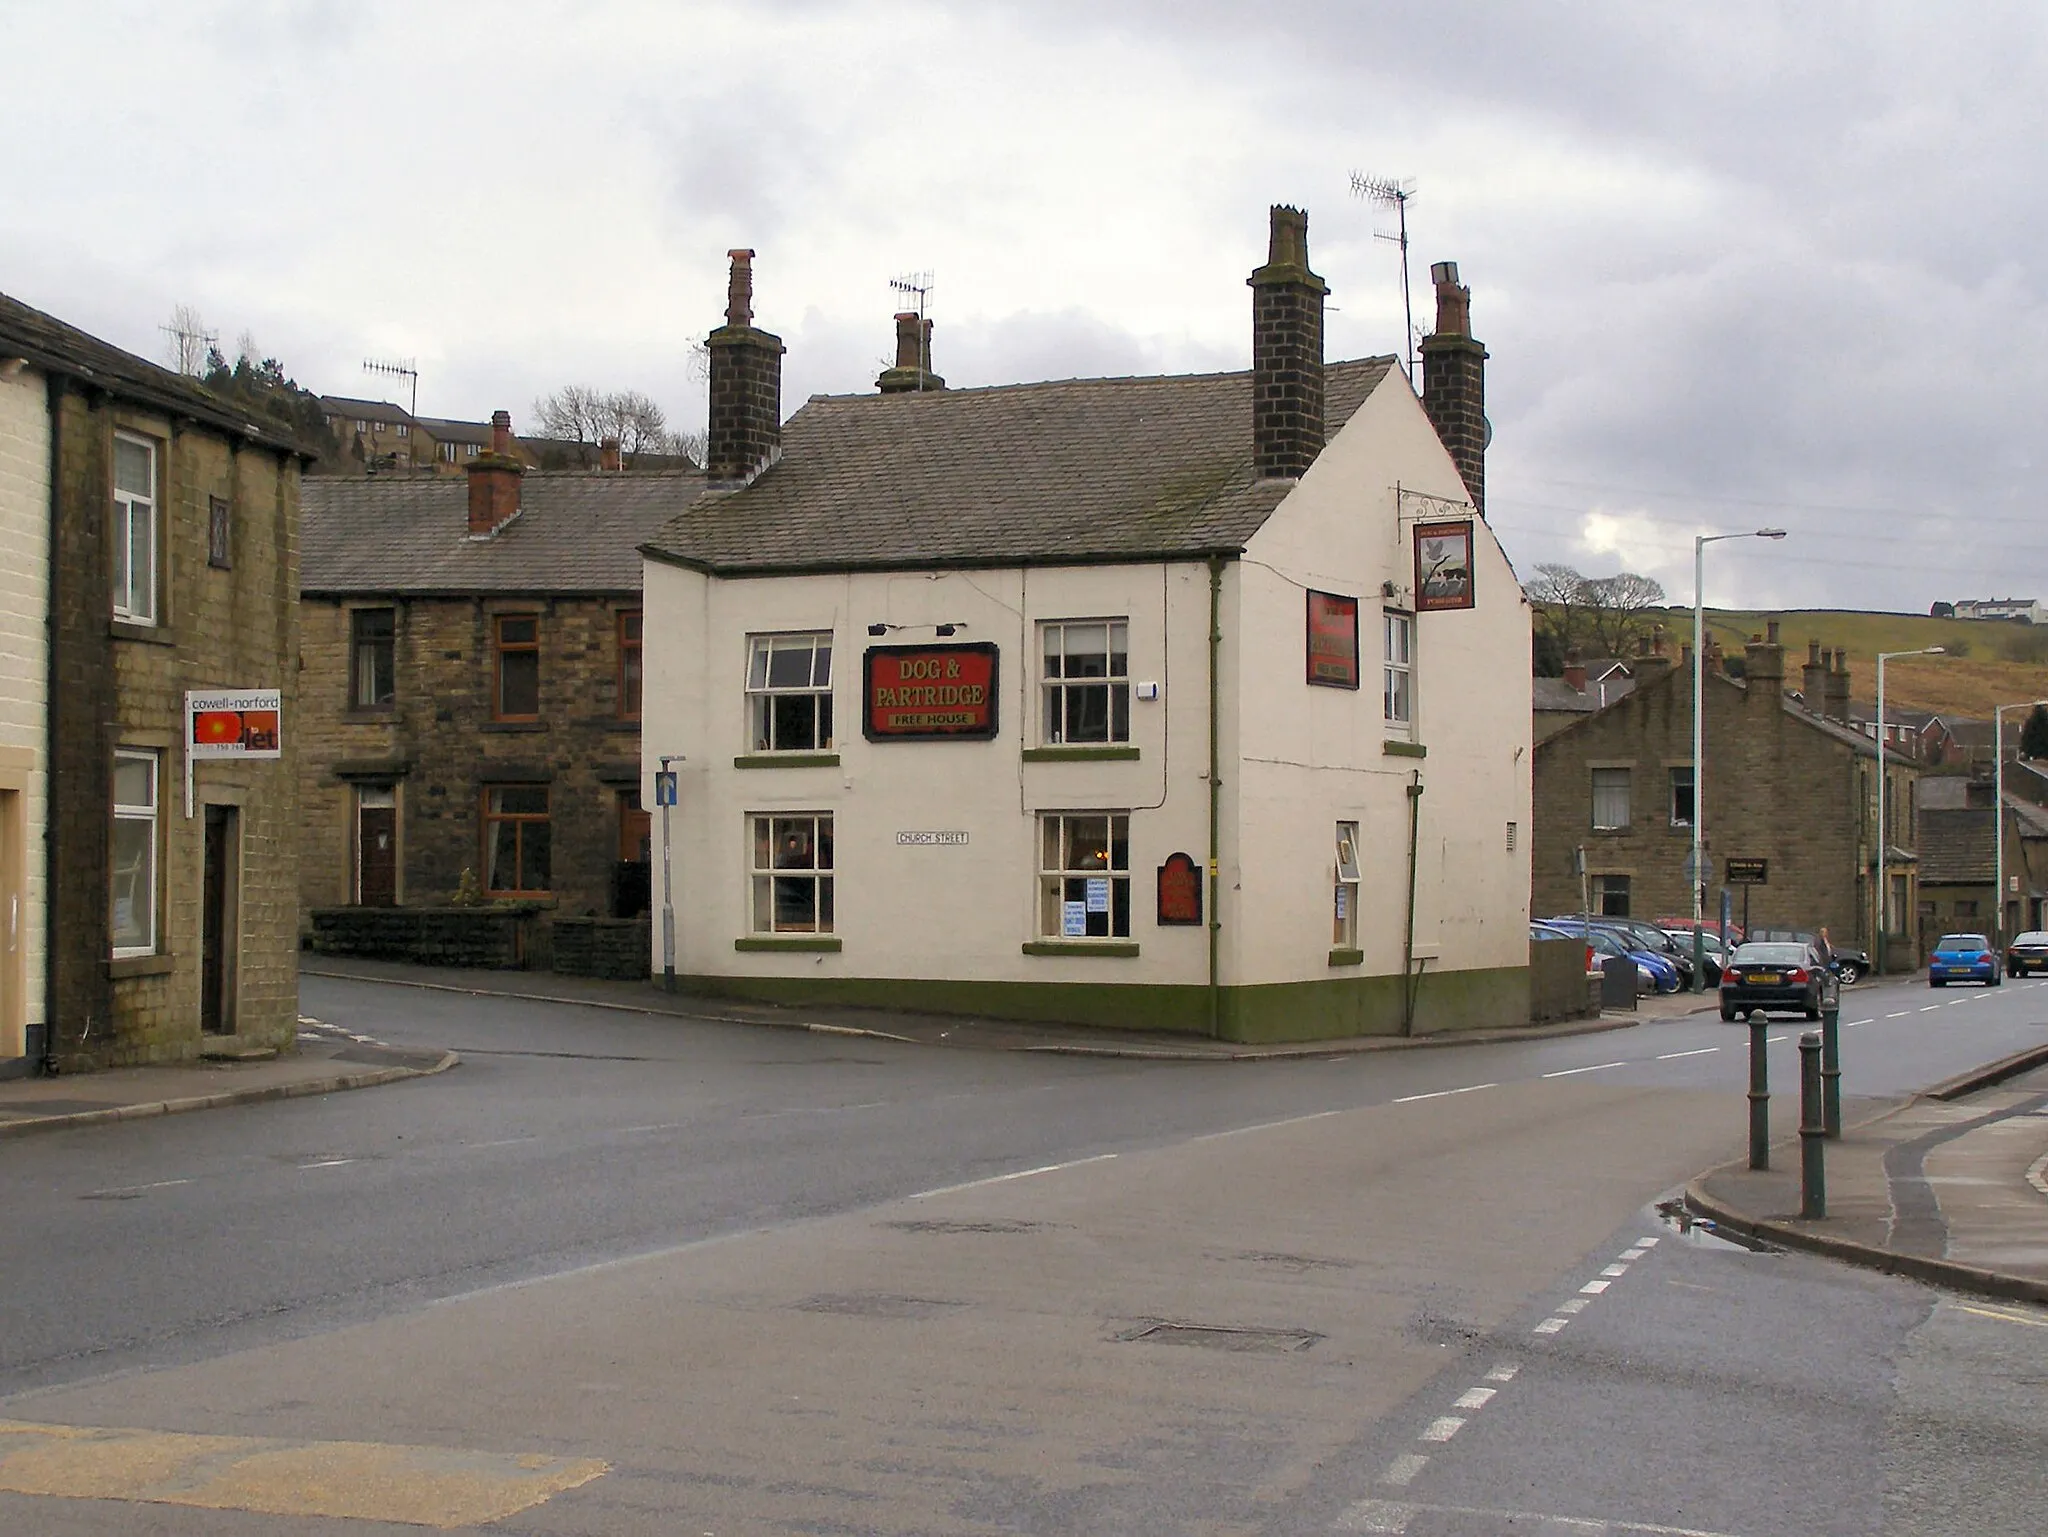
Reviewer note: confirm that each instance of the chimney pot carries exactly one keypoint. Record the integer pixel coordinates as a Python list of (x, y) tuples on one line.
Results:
[(913, 369), (494, 481), (739, 288), (609, 459), (1575, 671), (1287, 351), (1454, 382), (745, 426), (501, 432)]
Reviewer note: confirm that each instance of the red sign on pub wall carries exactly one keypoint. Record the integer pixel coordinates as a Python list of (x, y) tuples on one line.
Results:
[(928, 692), (1332, 640)]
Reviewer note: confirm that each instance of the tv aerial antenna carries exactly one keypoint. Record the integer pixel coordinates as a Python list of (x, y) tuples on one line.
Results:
[(1385, 192), (918, 284), (400, 368)]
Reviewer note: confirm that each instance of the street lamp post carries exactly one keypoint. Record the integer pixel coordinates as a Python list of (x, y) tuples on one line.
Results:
[(665, 797), (1998, 813), (1696, 870), (1883, 865)]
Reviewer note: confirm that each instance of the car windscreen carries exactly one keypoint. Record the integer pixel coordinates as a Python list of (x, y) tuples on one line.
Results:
[(2036, 937), (1770, 955), (1963, 942)]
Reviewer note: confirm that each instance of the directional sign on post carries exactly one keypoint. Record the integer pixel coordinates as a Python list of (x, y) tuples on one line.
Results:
[(665, 787), (1698, 874)]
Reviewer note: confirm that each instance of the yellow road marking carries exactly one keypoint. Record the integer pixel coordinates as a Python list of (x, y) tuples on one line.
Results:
[(2011, 1318), (354, 1480)]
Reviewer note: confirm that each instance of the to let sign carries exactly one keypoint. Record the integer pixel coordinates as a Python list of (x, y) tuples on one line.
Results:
[(1747, 872), (928, 692), (234, 723)]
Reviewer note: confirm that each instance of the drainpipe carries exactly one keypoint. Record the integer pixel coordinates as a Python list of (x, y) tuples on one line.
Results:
[(52, 697), (1215, 794), (1408, 977)]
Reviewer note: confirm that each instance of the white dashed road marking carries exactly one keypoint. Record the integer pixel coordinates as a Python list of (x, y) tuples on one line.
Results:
[(1442, 1428), (1613, 1271), (1575, 1304), (1401, 1472), (1470, 1088), (1703, 1051), (1595, 1288), (1598, 1067), (1505, 1372), (1394, 1516), (1474, 1398), (1550, 1326)]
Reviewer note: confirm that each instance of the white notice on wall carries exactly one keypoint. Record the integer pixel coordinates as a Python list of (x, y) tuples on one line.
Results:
[(943, 839), (1073, 920), (1098, 893)]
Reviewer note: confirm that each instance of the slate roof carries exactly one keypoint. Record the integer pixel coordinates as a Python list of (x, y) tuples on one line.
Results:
[(54, 347), (366, 410), (1071, 471), (447, 430), (1554, 696), (577, 531), (1955, 847)]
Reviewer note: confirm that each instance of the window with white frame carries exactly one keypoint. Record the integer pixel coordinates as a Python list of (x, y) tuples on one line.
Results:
[(132, 897), (791, 868), (134, 535), (1084, 875), (789, 693), (404, 431), (1344, 917), (1087, 680), (447, 453), (1610, 799), (1398, 671)]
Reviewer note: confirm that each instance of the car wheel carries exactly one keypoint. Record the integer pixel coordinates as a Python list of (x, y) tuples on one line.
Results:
[(1851, 973), (1728, 1013), (1937, 982), (1995, 980)]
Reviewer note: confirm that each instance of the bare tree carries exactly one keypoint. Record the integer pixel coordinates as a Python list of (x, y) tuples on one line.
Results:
[(187, 341), (1615, 607), (585, 417)]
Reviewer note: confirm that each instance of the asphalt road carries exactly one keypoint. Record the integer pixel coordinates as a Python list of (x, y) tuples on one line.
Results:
[(596, 1200)]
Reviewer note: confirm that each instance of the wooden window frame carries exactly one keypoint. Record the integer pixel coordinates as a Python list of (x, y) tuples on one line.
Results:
[(762, 691), (1056, 871), (1055, 710), (489, 819), (151, 814), (769, 878), (127, 505), (499, 650), (631, 631), (1401, 622), (356, 643)]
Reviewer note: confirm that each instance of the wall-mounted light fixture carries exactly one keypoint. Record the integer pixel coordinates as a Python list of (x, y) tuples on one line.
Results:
[(878, 629)]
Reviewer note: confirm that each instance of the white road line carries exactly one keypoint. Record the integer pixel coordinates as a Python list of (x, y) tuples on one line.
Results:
[(1647, 1243), (1777, 1038), (1292, 1120), (1550, 1326), (1595, 1288), (659, 1126), (161, 1184), (502, 1142), (1633, 1254), (1376, 1516), (1900, 1015), (327, 1163), (1575, 1304), (1505, 1372), (1470, 1088), (1599, 1067), (1442, 1428), (1402, 1470), (1474, 1398), (1002, 1179), (1930, 1008), (1615, 1270), (1862, 1022), (1673, 1056), (1394, 1516)]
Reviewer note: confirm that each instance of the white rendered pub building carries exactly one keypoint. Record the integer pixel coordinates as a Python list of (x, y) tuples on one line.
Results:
[(1191, 703)]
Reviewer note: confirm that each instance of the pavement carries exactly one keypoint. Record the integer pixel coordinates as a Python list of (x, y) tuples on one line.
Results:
[(1947, 1187), (324, 1061)]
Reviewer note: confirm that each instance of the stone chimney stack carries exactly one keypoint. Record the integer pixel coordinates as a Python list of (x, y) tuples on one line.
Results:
[(913, 371), (746, 384), (1454, 382), (609, 459), (1287, 352), (1575, 670), (1838, 688), (1763, 666), (494, 481), (1813, 679)]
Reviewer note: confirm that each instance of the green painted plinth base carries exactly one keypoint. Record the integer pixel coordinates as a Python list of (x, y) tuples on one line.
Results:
[(1326, 1009)]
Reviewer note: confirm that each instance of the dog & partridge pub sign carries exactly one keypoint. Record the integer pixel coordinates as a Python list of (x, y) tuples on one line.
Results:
[(929, 693)]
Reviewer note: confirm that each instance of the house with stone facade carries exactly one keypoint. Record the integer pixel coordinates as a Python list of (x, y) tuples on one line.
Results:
[(472, 689), (152, 537), (1190, 703), (1789, 789)]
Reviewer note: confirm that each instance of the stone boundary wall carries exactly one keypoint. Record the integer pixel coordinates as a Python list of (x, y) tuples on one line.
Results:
[(618, 948), (497, 939)]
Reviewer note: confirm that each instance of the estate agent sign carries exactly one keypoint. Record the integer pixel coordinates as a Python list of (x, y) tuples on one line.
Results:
[(234, 723), (928, 692)]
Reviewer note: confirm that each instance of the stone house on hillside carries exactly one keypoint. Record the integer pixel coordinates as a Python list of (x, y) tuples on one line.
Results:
[(1958, 870), (472, 689), (1785, 785), (1189, 703), (152, 532)]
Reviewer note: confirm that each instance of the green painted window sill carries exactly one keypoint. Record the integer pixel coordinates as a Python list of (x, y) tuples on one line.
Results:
[(1084, 753), (1395, 749), (803, 943), (1347, 957), (1101, 949), (783, 760)]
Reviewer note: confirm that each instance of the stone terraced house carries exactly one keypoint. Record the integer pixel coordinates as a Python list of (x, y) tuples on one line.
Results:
[(471, 760), (151, 531)]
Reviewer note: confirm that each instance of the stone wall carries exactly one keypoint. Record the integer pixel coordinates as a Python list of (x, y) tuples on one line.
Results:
[(232, 625), (1558, 987), (484, 937), (1779, 786), (439, 749), (603, 947)]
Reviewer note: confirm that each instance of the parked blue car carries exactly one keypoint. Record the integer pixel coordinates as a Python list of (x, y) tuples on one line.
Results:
[(1963, 958), (1659, 967)]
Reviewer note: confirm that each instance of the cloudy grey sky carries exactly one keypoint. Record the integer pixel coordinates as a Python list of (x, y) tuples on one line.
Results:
[(1736, 264)]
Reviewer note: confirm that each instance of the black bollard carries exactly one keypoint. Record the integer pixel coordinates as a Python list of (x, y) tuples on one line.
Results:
[(1813, 1187), (1759, 1093), (1831, 1068)]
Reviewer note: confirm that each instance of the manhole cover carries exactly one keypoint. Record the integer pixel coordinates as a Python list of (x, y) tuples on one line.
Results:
[(876, 1305), (943, 1226), (1224, 1337)]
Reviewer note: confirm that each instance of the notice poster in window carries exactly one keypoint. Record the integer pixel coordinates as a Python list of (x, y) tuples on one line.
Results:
[(1443, 566), (1098, 893), (1073, 920), (1332, 640)]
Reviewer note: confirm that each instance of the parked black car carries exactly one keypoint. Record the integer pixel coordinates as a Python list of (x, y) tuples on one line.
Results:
[(1777, 976), (1848, 963), (2027, 952)]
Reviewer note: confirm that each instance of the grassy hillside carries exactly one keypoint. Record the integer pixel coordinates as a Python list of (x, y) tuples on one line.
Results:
[(1988, 662)]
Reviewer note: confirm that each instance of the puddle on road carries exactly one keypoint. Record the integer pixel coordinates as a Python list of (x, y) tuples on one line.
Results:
[(1705, 1233)]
